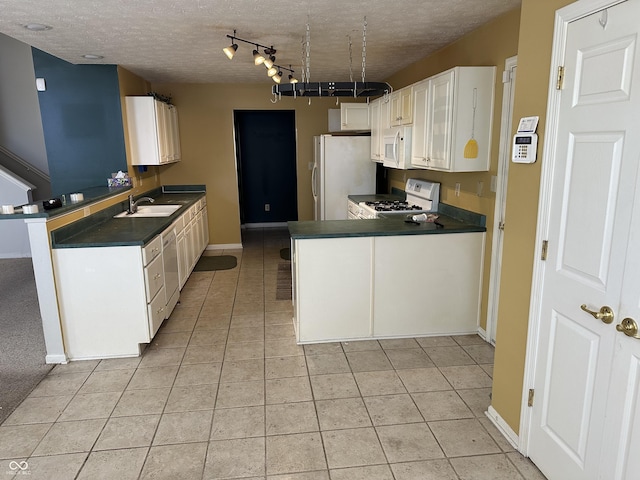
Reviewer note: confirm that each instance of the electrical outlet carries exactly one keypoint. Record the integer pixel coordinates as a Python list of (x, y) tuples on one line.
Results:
[(457, 189), (267, 207)]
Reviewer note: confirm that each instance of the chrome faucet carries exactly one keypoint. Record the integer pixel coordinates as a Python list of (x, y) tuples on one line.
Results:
[(133, 206)]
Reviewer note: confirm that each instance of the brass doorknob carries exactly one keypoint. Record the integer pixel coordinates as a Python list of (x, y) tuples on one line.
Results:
[(605, 314), (629, 327)]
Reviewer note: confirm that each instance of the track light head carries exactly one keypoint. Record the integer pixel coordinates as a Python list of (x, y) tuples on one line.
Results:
[(268, 62), (292, 79), (272, 71), (230, 51), (277, 77), (258, 58)]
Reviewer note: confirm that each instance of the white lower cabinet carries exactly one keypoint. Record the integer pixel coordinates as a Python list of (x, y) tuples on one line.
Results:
[(386, 287), (110, 300), (192, 238)]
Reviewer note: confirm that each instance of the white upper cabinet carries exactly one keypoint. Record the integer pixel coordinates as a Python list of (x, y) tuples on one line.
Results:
[(401, 109), (419, 134), (453, 117), (153, 131), (379, 111), (376, 137), (354, 116)]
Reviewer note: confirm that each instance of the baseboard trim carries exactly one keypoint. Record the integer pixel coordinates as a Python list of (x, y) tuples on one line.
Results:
[(264, 225), (56, 359), (504, 428), (224, 246), (483, 333)]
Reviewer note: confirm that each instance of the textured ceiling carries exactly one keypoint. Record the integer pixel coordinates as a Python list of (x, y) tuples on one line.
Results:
[(182, 41)]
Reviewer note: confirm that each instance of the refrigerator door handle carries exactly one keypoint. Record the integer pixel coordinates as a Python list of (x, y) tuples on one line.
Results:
[(314, 175)]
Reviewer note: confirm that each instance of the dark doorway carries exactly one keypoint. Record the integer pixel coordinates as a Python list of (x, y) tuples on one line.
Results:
[(266, 155)]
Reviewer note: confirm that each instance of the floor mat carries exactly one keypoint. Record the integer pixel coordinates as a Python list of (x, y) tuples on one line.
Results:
[(285, 253), (216, 262), (283, 285)]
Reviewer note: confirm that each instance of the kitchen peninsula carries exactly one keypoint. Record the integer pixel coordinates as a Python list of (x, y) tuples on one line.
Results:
[(385, 278)]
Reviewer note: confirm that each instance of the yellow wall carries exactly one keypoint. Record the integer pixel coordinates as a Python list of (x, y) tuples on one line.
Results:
[(205, 113), (534, 58), (491, 44)]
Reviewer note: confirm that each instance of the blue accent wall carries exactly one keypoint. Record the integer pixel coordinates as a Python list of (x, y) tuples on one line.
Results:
[(82, 122)]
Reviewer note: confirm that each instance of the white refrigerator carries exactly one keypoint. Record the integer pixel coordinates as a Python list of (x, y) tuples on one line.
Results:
[(342, 166)]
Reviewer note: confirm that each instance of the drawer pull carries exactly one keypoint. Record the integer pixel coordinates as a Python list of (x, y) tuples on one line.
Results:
[(157, 276), (160, 310)]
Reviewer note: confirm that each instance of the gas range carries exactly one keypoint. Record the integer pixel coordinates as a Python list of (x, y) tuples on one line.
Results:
[(422, 197), (375, 208)]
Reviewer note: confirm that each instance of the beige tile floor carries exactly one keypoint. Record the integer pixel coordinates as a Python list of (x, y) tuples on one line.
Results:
[(224, 392)]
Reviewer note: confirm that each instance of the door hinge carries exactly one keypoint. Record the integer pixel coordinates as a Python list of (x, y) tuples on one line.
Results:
[(506, 76), (545, 248), (560, 78), (530, 400), (501, 226)]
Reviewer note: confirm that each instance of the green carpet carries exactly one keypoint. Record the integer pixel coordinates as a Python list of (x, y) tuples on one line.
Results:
[(216, 262), (285, 253)]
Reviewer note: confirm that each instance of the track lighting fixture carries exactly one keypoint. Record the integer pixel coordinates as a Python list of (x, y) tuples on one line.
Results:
[(267, 58)]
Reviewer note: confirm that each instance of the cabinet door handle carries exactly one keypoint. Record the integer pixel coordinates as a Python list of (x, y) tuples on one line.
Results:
[(157, 276)]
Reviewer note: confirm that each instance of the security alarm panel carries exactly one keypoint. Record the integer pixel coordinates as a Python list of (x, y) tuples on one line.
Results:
[(525, 141)]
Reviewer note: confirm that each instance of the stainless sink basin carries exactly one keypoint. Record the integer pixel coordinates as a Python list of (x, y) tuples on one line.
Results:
[(150, 211)]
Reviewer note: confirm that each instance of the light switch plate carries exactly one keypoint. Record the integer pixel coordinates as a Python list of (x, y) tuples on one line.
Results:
[(41, 85)]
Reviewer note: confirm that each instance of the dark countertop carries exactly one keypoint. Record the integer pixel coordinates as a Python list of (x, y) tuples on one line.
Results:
[(91, 195), (102, 230), (393, 225)]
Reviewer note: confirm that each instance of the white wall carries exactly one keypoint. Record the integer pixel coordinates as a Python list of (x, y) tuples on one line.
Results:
[(20, 122), (14, 237)]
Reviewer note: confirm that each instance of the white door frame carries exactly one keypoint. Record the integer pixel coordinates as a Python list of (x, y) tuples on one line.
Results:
[(506, 124), (563, 17)]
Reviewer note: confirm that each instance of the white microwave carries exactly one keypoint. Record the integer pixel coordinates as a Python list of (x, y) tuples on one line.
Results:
[(397, 147)]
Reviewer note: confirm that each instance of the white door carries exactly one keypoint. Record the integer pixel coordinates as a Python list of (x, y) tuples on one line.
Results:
[(585, 422)]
